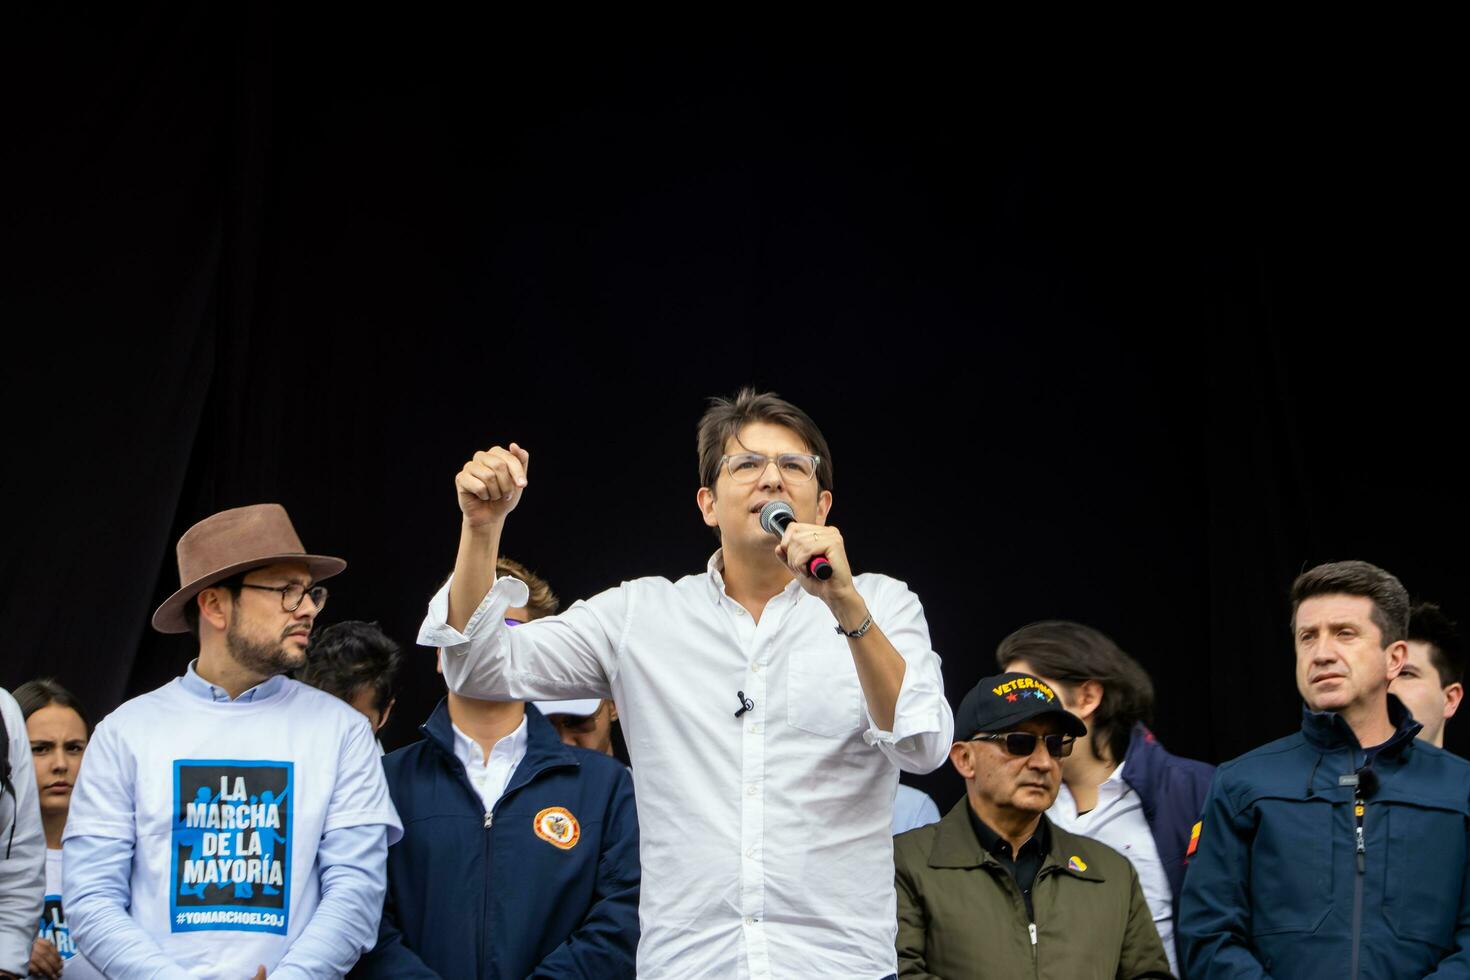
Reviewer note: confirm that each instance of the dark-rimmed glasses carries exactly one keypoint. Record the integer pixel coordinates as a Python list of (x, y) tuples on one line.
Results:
[(291, 595), (747, 467), (1024, 743)]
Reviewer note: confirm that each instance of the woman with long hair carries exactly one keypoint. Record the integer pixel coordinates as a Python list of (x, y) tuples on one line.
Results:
[(57, 726)]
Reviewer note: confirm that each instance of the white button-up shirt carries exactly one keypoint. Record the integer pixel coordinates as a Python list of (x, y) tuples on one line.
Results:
[(490, 776), (765, 840), (1118, 821)]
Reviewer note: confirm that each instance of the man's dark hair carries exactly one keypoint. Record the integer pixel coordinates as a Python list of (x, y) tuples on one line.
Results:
[(1390, 599), (727, 416), (1429, 625), (233, 585), (348, 656), (42, 692), (1070, 653)]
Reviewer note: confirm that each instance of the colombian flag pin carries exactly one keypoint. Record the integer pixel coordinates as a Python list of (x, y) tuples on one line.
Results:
[(1193, 839), (1075, 863)]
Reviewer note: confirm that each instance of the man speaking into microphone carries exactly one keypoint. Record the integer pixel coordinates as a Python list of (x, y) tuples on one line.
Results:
[(767, 711)]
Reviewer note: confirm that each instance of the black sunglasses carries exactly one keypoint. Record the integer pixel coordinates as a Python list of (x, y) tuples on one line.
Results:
[(1024, 743)]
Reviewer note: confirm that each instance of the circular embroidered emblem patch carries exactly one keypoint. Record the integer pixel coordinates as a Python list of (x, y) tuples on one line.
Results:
[(558, 827)]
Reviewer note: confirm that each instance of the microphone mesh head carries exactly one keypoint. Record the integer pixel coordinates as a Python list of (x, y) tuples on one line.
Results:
[(772, 515)]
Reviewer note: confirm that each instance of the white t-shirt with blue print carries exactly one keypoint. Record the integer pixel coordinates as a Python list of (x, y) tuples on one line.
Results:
[(53, 925)]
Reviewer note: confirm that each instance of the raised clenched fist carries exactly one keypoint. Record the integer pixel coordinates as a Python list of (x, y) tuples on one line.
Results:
[(491, 484)]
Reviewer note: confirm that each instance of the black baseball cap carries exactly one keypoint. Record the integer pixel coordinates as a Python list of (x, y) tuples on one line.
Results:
[(997, 703)]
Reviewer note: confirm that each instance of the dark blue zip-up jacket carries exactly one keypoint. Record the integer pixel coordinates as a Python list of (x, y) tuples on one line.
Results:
[(1172, 790), (476, 895), (1275, 886)]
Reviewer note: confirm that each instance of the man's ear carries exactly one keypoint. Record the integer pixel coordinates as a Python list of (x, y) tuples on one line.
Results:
[(1085, 699), (959, 756), (1395, 656), (824, 506), (612, 711), (706, 500), (386, 712), (212, 607), (1453, 695)]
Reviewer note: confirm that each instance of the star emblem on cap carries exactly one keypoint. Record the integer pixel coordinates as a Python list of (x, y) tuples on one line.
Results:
[(1010, 697)]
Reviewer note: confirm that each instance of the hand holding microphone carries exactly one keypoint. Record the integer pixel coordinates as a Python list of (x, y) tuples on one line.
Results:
[(776, 517)]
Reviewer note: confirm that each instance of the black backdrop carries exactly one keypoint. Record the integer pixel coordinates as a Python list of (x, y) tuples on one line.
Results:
[(1119, 342)]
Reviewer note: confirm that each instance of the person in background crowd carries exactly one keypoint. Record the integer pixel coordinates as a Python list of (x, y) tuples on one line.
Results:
[(22, 844), (995, 889), (57, 727), (587, 722), (768, 709), (1119, 785), (233, 822), (1341, 850), (912, 808), (519, 855), (1431, 685), (356, 662)]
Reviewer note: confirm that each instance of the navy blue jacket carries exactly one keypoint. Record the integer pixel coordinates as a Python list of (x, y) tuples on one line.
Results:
[(472, 894), (1275, 887), (1172, 790)]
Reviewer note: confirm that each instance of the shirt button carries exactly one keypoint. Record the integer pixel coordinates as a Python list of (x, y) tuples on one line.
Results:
[(755, 728), (750, 852), (752, 790), (755, 668), (751, 920)]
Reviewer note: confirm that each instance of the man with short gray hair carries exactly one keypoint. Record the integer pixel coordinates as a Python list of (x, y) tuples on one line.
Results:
[(997, 890)]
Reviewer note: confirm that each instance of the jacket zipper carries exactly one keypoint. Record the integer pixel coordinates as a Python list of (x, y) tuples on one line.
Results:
[(1362, 863)]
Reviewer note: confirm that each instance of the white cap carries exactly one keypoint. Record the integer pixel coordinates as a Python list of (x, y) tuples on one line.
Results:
[(581, 708)]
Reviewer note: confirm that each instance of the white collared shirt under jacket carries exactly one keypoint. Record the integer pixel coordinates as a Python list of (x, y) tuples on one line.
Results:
[(765, 837), (489, 776)]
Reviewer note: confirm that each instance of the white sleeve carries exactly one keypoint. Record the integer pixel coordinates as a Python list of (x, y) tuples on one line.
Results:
[(923, 723), (360, 797), (571, 655), (22, 847)]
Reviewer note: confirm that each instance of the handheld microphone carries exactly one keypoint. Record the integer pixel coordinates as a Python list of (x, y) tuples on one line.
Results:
[(775, 516), (746, 704)]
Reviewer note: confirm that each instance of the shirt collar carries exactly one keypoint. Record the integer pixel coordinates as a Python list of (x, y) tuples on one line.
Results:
[(715, 569), (468, 752), (996, 846), (201, 688)]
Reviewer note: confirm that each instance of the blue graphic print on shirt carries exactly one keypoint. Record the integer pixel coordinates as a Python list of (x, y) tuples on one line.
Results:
[(54, 927), (231, 853)]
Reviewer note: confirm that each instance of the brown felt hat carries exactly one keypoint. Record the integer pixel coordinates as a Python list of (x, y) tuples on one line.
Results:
[(231, 542)]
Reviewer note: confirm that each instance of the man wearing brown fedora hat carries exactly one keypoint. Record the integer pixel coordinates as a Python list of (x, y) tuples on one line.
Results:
[(233, 821)]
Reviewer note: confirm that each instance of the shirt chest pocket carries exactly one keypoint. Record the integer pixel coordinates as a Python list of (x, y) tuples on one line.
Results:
[(823, 696)]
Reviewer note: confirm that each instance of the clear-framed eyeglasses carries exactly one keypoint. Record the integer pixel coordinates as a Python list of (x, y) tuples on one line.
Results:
[(793, 467), (291, 595)]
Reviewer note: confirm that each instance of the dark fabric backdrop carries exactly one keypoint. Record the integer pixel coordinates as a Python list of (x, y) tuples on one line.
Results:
[(1123, 343)]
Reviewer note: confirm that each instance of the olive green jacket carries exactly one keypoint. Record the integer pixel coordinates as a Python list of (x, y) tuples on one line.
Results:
[(961, 915)]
